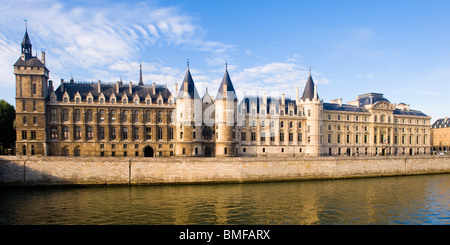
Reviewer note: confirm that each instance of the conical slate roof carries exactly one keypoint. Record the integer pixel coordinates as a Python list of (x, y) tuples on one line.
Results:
[(230, 89), (308, 93), (26, 39), (192, 91)]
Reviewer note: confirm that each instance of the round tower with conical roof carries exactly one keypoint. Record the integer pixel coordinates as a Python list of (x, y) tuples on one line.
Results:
[(189, 119), (312, 107), (225, 121)]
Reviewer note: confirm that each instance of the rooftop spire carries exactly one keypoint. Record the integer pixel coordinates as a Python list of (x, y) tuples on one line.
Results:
[(141, 83), (26, 45)]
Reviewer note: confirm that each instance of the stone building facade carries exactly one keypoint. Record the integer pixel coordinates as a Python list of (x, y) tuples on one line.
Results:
[(440, 135), (146, 120)]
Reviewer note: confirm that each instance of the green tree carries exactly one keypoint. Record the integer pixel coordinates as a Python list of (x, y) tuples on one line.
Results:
[(7, 131)]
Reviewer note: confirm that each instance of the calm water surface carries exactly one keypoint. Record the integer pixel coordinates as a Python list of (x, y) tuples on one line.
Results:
[(389, 200)]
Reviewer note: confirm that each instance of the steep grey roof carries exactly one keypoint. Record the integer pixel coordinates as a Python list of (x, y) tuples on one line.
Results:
[(109, 89), (343, 107), (409, 113), (308, 92), (441, 123), (192, 91), (230, 88), (370, 99), (207, 98), (35, 62), (248, 100)]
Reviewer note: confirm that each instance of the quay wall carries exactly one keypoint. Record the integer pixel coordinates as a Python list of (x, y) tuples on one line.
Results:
[(32, 171)]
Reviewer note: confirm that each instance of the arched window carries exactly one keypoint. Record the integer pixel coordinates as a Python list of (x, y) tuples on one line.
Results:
[(65, 151), (77, 151)]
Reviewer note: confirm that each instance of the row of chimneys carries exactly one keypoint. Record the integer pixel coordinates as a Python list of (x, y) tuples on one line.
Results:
[(99, 86)]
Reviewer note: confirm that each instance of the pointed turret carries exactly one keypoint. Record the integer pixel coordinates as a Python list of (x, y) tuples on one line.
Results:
[(310, 91), (312, 107), (226, 107), (189, 118), (226, 87), (26, 46), (188, 86)]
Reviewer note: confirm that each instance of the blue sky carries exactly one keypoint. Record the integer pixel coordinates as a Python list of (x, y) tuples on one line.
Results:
[(398, 48)]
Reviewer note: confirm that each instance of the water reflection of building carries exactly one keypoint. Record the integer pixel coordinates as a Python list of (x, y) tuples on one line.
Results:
[(139, 120), (440, 135)]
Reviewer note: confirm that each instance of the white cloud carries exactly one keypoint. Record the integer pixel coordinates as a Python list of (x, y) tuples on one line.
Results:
[(94, 36), (92, 42)]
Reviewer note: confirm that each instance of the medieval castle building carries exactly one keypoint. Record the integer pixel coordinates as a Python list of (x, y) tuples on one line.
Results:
[(138, 120)]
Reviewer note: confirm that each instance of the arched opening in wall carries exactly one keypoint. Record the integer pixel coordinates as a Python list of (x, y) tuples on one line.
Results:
[(32, 150), (24, 150), (410, 151), (77, 151), (65, 151), (208, 152), (148, 151), (349, 152), (383, 152)]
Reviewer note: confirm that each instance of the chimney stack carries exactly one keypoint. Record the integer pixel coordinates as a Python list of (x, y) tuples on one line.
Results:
[(43, 57), (315, 91), (154, 88), (130, 89), (62, 85), (117, 87), (282, 99), (99, 87), (176, 87), (296, 94), (50, 85)]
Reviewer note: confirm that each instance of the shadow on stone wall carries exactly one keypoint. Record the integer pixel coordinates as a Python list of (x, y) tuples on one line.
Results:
[(18, 174)]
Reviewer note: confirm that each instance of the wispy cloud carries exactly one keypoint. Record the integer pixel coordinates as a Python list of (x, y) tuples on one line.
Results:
[(94, 36), (93, 42)]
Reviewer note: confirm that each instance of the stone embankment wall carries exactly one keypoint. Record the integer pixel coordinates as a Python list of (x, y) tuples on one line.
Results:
[(15, 170)]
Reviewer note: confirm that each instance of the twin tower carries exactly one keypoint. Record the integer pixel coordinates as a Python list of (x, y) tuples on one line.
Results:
[(207, 124)]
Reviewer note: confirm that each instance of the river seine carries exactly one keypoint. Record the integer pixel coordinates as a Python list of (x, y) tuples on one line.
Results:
[(408, 200)]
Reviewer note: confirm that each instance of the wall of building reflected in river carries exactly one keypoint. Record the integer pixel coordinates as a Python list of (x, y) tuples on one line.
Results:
[(388, 200)]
